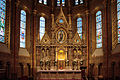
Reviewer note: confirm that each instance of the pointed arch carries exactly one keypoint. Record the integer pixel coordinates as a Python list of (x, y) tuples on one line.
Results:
[(99, 29)]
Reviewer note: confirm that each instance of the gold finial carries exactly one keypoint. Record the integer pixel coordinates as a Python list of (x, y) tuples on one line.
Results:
[(61, 6)]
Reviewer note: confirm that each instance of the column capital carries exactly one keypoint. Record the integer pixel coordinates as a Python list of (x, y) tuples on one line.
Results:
[(18, 3), (113, 1), (34, 11), (106, 3), (87, 12), (69, 3)]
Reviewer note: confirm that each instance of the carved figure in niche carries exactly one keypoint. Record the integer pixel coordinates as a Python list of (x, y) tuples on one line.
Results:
[(60, 36)]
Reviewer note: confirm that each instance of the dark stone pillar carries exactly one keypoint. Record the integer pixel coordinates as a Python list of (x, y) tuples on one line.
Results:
[(107, 51), (34, 43)]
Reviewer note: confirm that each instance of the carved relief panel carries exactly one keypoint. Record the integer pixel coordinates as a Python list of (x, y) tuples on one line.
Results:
[(61, 36)]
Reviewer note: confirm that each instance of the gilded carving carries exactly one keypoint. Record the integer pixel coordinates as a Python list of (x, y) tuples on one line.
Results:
[(61, 36), (60, 47)]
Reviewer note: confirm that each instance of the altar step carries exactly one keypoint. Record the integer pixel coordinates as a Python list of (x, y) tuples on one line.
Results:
[(59, 76), (60, 79)]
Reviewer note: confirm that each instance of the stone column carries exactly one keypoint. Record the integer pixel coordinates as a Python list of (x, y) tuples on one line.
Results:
[(87, 20), (106, 47), (52, 57), (34, 43), (15, 35), (70, 57)]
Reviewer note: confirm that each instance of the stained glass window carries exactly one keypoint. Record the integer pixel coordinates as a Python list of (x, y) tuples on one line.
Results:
[(2, 20), (81, 1), (79, 27), (22, 28), (42, 27), (63, 2), (118, 18), (40, 1), (77, 2), (59, 2), (60, 21), (98, 29), (43, 1)]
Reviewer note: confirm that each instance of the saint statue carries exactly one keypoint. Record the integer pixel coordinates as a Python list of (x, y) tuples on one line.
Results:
[(60, 36)]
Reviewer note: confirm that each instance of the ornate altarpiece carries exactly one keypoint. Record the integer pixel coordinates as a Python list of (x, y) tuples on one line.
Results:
[(62, 51)]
